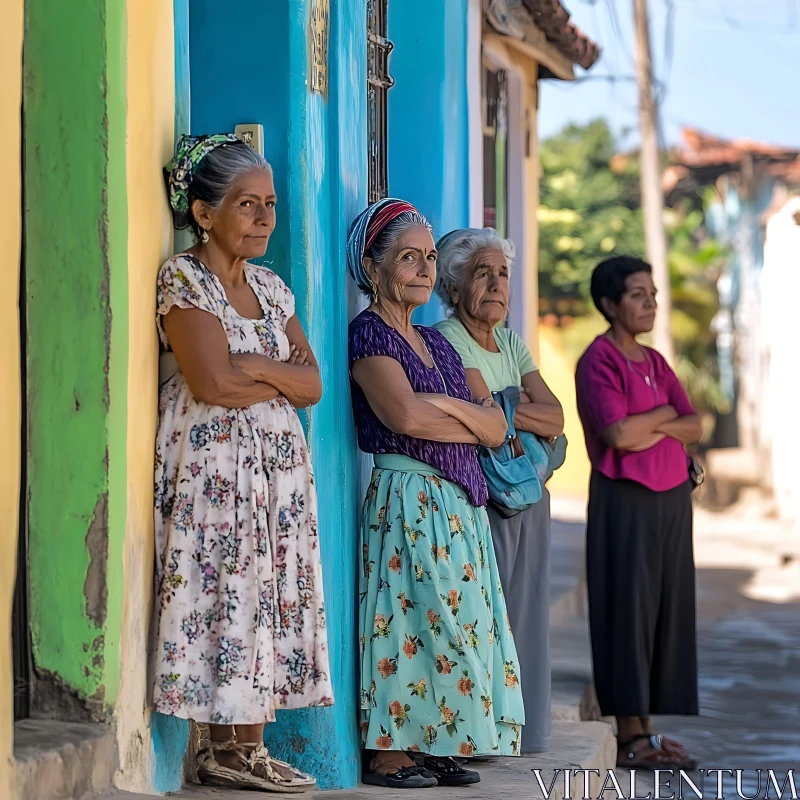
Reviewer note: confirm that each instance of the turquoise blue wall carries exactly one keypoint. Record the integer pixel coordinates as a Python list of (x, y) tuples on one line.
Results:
[(240, 73), (428, 119), (252, 66)]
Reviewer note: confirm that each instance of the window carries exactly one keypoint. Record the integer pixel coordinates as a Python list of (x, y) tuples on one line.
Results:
[(495, 142), (378, 84)]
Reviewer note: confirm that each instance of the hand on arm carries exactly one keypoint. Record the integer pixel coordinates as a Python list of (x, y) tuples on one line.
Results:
[(687, 429), (490, 428), (297, 379), (485, 419), (543, 414), (638, 431), (200, 345), (400, 409)]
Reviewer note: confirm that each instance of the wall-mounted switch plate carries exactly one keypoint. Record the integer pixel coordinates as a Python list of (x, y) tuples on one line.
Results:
[(252, 135)]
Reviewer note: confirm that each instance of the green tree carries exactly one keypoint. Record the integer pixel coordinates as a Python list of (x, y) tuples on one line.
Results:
[(590, 210), (587, 211), (695, 260)]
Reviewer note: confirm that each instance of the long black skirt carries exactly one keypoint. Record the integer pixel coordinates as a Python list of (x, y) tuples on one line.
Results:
[(641, 581)]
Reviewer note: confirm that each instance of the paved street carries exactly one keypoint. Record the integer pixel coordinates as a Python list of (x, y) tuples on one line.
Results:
[(749, 649)]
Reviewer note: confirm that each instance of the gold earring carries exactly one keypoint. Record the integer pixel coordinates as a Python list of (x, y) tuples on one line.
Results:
[(373, 292)]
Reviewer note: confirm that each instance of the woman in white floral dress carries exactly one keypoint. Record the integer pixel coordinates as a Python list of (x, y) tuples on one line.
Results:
[(240, 619)]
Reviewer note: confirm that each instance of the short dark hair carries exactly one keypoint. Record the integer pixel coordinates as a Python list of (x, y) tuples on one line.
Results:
[(609, 276)]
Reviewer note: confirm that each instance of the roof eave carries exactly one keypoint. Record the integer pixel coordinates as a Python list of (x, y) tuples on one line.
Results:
[(543, 53), (555, 43)]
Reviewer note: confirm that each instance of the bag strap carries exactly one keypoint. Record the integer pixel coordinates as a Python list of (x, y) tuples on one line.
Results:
[(508, 400)]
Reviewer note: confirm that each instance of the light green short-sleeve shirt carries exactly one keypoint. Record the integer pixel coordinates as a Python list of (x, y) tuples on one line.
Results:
[(499, 370)]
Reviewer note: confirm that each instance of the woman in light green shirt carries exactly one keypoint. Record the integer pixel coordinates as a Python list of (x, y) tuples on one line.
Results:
[(474, 267)]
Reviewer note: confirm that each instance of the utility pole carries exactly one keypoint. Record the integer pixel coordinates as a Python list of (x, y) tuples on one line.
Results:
[(650, 177)]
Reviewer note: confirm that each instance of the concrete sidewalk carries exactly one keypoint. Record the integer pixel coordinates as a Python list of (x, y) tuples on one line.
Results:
[(575, 744)]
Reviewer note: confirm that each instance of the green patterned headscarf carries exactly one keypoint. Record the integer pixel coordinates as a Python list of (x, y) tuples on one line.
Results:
[(189, 152)]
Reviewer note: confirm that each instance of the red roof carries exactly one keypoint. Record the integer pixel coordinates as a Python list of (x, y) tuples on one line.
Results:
[(711, 156), (702, 149), (553, 20)]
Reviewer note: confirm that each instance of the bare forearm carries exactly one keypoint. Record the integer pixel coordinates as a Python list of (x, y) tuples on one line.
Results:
[(636, 432), (424, 420), (299, 384), (487, 422), (686, 430), (647, 442), (234, 389), (539, 418)]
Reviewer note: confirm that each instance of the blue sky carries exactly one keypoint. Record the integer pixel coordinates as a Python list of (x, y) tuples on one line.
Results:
[(735, 70)]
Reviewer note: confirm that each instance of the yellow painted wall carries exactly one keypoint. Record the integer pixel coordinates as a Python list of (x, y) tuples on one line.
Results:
[(554, 358), (558, 369), (11, 33), (528, 71), (555, 354), (560, 349), (532, 173), (151, 110)]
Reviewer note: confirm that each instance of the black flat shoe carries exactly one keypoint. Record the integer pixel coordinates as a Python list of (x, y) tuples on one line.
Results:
[(403, 778), (448, 772)]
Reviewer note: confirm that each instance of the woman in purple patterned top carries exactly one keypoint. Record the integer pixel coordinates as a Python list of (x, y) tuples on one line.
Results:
[(453, 451), (439, 671)]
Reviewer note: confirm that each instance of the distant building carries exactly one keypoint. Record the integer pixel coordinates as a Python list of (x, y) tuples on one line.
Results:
[(752, 214)]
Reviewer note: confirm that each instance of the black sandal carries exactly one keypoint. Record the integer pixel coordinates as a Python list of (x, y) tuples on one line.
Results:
[(403, 778), (448, 772), (630, 757)]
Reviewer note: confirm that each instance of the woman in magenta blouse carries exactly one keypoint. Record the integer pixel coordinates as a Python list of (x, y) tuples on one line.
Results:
[(637, 421)]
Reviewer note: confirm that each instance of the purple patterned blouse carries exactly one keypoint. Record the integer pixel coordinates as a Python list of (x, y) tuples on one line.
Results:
[(371, 336)]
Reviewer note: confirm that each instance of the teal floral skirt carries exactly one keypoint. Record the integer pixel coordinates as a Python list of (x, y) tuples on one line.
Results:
[(439, 669)]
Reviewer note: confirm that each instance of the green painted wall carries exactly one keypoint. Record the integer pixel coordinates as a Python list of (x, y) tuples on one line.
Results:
[(76, 301)]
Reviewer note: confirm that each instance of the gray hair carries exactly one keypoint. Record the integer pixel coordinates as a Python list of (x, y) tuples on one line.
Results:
[(217, 172), (389, 236), (458, 249)]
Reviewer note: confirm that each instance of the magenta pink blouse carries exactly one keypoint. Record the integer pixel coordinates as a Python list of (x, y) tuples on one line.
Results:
[(610, 388)]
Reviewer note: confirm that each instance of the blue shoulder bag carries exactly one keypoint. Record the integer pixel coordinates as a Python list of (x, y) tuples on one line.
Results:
[(516, 482)]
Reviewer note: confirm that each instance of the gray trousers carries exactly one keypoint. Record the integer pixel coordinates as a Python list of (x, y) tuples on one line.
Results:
[(522, 548)]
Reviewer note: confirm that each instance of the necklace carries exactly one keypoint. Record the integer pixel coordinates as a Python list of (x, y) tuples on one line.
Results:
[(433, 360), (650, 378), (424, 344)]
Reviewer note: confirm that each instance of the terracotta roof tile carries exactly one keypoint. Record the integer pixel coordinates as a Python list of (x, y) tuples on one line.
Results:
[(709, 156), (702, 149), (515, 18), (554, 20)]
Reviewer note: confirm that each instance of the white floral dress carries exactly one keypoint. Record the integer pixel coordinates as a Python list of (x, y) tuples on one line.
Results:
[(239, 618)]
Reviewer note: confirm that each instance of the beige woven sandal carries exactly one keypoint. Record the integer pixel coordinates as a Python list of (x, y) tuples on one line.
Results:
[(263, 765), (258, 771)]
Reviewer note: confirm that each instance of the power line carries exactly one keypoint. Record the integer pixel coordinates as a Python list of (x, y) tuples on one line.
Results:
[(611, 5), (751, 25), (609, 78), (669, 48)]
